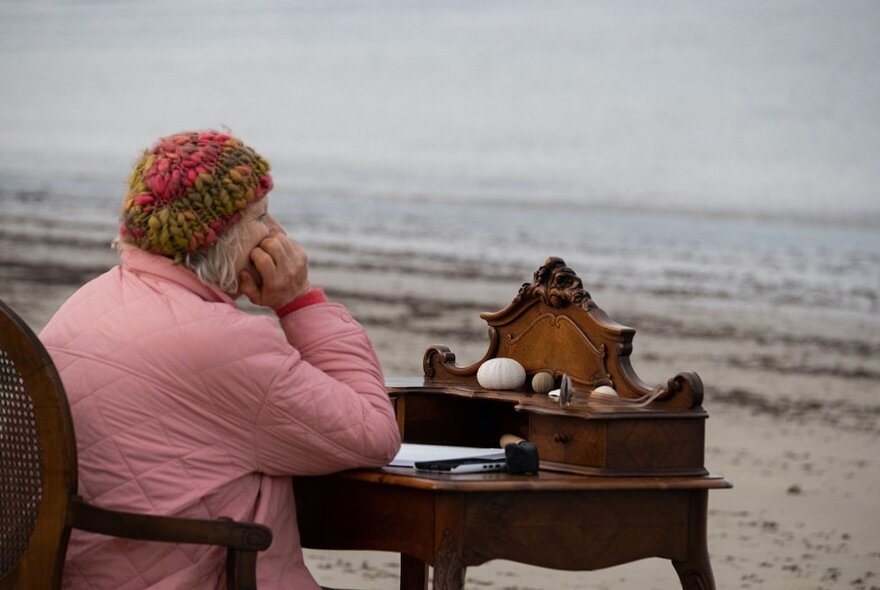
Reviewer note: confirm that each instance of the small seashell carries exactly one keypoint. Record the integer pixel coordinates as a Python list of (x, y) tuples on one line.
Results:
[(501, 373), (605, 390), (543, 382), (555, 393)]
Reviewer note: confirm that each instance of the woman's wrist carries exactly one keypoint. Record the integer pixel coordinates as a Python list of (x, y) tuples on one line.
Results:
[(310, 296)]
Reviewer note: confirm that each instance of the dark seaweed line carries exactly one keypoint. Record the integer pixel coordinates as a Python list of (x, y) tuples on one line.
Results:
[(49, 273), (64, 241), (840, 413), (768, 363), (665, 326)]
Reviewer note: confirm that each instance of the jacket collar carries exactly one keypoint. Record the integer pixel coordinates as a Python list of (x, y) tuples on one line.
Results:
[(141, 262)]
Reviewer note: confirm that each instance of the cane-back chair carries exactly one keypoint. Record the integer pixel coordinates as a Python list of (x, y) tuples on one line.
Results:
[(38, 481)]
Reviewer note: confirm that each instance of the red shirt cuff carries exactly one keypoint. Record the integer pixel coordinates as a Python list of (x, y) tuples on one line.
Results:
[(310, 297)]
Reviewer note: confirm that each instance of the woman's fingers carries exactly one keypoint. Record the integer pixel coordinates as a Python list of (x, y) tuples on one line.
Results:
[(283, 266), (264, 262), (278, 247)]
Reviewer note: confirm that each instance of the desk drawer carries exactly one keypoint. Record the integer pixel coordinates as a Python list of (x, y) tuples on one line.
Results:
[(563, 440), (619, 446)]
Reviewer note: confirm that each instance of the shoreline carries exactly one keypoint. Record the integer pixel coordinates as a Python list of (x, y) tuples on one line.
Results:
[(33, 184)]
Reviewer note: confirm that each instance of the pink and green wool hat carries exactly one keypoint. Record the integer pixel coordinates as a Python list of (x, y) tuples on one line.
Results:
[(188, 189)]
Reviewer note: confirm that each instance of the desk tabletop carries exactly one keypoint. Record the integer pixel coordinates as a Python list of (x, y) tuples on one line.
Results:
[(542, 481)]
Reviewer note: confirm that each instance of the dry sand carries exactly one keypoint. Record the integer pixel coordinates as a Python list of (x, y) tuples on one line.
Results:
[(792, 398)]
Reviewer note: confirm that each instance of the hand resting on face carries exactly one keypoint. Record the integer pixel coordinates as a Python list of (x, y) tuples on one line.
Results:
[(281, 266)]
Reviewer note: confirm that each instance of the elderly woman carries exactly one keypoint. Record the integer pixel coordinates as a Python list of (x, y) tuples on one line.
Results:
[(183, 404)]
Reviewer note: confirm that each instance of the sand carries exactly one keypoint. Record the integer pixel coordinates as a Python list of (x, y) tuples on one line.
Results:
[(792, 398)]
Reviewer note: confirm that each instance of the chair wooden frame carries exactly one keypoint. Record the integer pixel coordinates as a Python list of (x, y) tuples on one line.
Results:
[(60, 509)]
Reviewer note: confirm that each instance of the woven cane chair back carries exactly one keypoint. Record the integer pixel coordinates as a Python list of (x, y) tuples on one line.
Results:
[(37, 460)]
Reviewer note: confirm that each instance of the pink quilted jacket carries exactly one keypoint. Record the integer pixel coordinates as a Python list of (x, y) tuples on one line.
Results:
[(184, 405)]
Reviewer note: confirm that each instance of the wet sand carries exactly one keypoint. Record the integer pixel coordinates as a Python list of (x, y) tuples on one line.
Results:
[(793, 398)]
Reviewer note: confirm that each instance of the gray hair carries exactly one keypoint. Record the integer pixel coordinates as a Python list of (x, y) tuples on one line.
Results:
[(214, 265)]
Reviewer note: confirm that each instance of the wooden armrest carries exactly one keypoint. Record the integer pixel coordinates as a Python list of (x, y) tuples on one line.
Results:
[(145, 527)]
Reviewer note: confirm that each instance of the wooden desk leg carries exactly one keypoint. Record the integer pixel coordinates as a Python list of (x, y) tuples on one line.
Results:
[(449, 569), (695, 572), (413, 573)]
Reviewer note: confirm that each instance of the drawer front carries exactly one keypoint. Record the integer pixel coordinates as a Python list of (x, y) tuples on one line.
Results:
[(569, 440), (623, 447), (669, 444)]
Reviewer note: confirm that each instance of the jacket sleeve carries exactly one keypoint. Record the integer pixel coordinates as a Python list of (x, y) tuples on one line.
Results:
[(326, 407)]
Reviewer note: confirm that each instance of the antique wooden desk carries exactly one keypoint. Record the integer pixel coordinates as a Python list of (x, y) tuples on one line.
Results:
[(621, 479)]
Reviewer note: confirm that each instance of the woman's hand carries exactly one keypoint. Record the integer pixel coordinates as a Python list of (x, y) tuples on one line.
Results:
[(282, 265)]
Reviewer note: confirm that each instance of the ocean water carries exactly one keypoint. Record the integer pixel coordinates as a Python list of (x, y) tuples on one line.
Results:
[(763, 108)]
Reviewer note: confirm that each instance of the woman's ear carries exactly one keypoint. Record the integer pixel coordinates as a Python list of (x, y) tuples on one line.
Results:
[(251, 275), (249, 285)]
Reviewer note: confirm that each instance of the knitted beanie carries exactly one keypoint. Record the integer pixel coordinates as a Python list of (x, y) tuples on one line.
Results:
[(188, 189)]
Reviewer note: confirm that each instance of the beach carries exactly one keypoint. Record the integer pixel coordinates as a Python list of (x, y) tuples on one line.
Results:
[(792, 385), (708, 170)]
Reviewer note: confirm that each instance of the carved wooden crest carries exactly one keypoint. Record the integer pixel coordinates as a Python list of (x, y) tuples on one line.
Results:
[(557, 286), (553, 325)]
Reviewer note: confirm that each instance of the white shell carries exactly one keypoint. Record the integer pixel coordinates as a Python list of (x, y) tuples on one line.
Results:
[(543, 382), (501, 373), (555, 393), (605, 390)]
